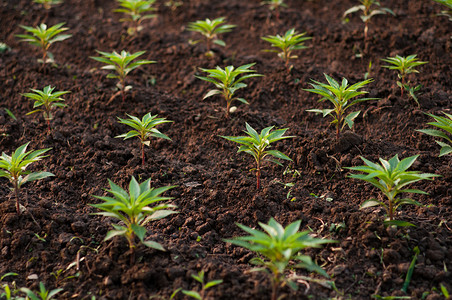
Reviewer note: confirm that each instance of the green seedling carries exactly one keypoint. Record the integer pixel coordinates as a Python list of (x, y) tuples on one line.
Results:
[(47, 4), (391, 177), (43, 293), (122, 64), (405, 66), (280, 248), (46, 100), (256, 145), (44, 37), (340, 96), (287, 43), (136, 11), (144, 129), (368, 11), (275, 5), (173, 4), (13, 168), (210, 29), (228, 81), (7, 292), (409, 274), (444, 123), (135, 209), (204, 286)]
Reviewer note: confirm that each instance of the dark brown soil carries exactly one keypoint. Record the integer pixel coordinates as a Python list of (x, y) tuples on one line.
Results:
[(214, 187)]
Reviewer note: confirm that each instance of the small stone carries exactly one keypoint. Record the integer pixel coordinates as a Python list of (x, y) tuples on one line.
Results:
[(32, 277), (107, 281)]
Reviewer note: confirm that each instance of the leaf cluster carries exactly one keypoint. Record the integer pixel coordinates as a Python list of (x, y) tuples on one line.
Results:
[(135, 10), (274, 4), (135, 209), (47, 4), (404, 65), (204, 286), (144, 129), (368, 12), (210, 29), (43, 293), (46, 99), (444, 123)]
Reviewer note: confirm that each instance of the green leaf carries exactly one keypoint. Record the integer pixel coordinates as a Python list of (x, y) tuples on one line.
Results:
[(192, 294), (398, 223)]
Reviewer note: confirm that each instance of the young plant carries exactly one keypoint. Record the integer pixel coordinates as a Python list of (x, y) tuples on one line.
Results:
[(46, 100), (289, 42), (135, 209), (136, 12), (47, 4), (256, 145), (280, 248), (391, 177), (228, 81), (173, 4), (122, 64), (405, 66), (13, 168), (43, 37), (444, 124), (144, 129), (275, 5), (340, 96), (210, 29), (368, 12), (205, 285), (43, 293)]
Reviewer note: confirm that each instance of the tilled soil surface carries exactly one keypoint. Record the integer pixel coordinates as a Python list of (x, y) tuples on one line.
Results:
[(215, 188)]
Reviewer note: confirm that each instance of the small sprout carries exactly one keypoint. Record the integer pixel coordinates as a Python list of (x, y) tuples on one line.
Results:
[(391, 177), (43, 293), (173, 4), (4, 48), (144, 129), (13, 168), (227, 81), (339, 96), (275, 5), (444, 124), (257, 144), (405, 66), (136, 12), (368, 12), (210, 29), (204, 286), (280, 247), (122, 64), (43, 37), (289, 42), (135, 209), (47, 4), (46, 100)]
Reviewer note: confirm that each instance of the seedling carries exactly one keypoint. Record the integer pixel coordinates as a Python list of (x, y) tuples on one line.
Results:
[(47, 4), (173, 4), (43, 293), (136, 11), (257, 144), (444, 124), (47, 100), (228, 81), (368, 12), (205, 285), (210, 29), (13, 168), (289, 42), (7, 292), (391, 177), (43, 37), (280, 247), (405, 66), (144, 129), (275, 5), (135, 210), (122, 64), (340, 96)]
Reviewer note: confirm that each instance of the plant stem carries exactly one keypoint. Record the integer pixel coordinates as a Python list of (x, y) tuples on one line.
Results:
[(258, 175), (391, 212), (49, 130), (228, 107), (142, 154), (16, 192)]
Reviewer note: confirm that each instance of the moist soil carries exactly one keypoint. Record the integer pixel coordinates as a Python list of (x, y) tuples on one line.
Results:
[(215, 188)]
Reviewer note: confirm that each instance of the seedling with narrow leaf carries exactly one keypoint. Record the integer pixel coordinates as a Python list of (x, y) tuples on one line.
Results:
[(257, 145), (47, 4), (210, 29), (368, 11), (44, 37), (14, 168), (45, 101), (275, 5), (280, 249), (228, 81), (135, 209), (205, 286), (340, 96), (122, 64), (392, 178), (287, 43), (144, 129), (43, 293), (136, 11), (444, 123)]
